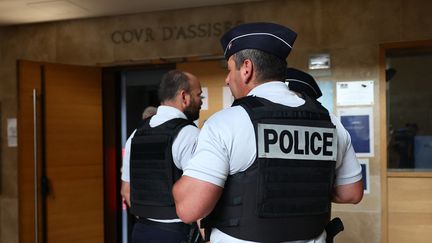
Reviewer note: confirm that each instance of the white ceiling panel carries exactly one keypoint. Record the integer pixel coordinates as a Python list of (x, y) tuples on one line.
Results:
[(13, 12)]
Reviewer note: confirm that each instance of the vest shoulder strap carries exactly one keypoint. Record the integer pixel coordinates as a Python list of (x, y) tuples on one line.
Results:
[(257, 108), (170, 127)]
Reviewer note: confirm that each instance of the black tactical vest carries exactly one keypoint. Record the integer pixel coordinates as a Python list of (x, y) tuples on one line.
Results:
[(152, 170), (286, 193)]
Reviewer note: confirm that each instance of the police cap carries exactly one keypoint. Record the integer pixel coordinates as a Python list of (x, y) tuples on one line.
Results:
[(268, 37), (300, 81)]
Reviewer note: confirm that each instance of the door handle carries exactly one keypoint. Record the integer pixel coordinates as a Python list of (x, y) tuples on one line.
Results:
[(44, 186)]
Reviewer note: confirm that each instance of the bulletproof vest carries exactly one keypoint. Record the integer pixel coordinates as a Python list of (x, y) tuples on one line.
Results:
[(285, 195), (152, 169)]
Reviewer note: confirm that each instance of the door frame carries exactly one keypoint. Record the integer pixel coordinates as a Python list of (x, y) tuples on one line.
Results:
[(409, 46)]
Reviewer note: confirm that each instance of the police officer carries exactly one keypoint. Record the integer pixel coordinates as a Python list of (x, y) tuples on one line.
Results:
[(302, 83), (156, 153), (267, 168)]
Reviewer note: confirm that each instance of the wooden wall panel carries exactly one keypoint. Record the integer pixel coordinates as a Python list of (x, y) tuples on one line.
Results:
[(409, 209)]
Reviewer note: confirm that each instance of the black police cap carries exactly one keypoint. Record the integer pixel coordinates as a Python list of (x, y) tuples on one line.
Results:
[(302, 82), (268, 37)]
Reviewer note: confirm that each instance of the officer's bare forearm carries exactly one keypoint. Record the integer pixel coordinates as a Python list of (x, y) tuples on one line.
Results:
[(194, 199), (351, 193), (125, 192)]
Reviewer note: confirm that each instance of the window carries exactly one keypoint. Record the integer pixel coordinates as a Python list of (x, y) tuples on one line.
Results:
[(409, 108)]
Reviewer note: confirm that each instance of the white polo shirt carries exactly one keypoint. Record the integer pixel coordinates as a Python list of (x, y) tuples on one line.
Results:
[(227, 145)]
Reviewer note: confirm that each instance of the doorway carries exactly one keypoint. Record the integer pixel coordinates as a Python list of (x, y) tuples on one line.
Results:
[(127, 92)]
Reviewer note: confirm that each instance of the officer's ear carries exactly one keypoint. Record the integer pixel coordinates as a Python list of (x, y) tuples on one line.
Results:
[(246, 71), (185, 98)]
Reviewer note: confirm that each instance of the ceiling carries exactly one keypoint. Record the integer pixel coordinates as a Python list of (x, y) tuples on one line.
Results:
[(13, 12)]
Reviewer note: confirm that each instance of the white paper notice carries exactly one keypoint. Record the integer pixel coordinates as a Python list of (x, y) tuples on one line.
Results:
[(227, 97), (355, 93), (12, 132), (205, 99)]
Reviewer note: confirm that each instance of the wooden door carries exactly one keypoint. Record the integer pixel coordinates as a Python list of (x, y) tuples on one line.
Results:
[(69, 152)]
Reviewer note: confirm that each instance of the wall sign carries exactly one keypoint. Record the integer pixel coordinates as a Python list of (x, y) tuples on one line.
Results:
[(355, 93), (319, 61), (364, 163), (12, 132), (359, 124), (174, 32)]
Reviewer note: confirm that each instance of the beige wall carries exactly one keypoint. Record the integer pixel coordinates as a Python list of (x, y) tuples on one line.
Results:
[(349, 30)]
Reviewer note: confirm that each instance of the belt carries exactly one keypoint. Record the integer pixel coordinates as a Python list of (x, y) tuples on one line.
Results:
[(175, 226)]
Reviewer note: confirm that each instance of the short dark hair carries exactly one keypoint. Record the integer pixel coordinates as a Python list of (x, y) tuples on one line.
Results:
[(267, 66), (172, 82)]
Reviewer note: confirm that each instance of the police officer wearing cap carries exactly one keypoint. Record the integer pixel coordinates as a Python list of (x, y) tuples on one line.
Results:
[(302, 83), (155, 154), (267, 168)]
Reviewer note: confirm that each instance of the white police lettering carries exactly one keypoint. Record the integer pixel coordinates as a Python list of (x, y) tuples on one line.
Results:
[(296, 142)]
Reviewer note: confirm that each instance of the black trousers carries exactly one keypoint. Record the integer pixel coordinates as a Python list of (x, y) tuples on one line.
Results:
[(146, 231)]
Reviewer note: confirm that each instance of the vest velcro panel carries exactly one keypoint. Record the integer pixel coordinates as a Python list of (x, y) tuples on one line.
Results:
[(150, 173), (153, 171), (293, 188)]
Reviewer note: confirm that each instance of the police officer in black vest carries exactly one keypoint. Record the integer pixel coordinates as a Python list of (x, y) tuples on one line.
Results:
[(156, 153), (303, 84), (267, 168)]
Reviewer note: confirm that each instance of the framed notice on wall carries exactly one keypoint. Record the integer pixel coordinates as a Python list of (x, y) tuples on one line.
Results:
[(205, 99), (359, 124), (364, 163), (327, 94), (12, 132), (355, 93)]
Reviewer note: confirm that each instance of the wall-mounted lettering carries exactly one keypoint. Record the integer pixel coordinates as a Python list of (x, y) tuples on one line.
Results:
[(168, 33), (134, 35)]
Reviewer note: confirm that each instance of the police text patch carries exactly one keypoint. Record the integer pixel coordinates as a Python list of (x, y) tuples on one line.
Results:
[(296, 142)]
